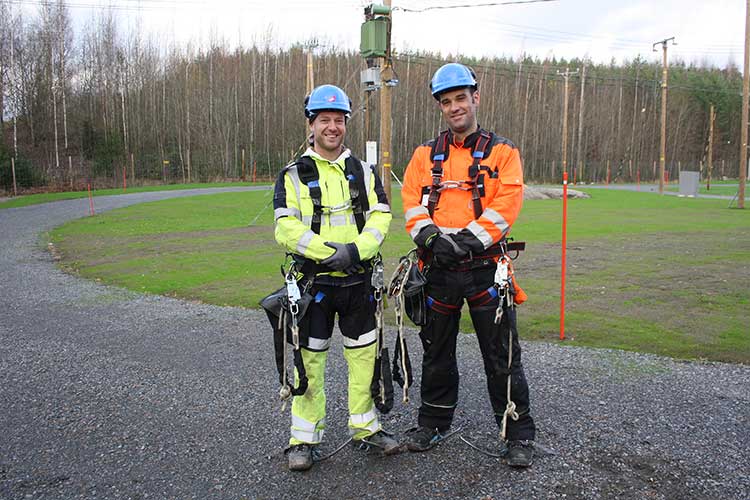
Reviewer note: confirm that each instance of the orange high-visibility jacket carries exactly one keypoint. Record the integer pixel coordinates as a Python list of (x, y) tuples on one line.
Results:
[(501, 196)]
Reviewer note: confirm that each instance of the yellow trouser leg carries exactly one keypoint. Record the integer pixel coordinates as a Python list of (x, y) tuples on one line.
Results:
[(309, 409), (363, 420)]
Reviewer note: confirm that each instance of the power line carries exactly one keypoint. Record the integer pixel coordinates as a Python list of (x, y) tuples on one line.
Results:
[(535, 71), (466, 6)]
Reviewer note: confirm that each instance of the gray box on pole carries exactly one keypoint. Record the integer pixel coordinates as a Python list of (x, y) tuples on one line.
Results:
[(689, 183)]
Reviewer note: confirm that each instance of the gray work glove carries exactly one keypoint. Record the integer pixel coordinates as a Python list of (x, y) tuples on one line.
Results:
[(446, 252), (345, 256), (355, 269)]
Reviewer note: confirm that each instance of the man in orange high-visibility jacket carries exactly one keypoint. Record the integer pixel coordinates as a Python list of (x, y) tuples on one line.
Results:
[(462, 193)]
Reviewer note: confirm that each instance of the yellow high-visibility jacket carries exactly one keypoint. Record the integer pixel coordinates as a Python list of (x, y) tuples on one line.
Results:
[(293, 210)]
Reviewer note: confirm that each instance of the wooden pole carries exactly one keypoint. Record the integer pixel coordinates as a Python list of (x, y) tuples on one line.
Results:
[(579, 141), (712, 115), (386, 76), (13, 171), (566, 76), (663, 142), (609, 172), (745, 92), (243, 164), (564, 245)]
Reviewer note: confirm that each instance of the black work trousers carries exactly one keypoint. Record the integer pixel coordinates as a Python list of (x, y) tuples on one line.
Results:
[(447, 290)]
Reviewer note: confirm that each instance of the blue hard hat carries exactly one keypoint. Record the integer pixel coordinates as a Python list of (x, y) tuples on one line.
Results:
[(452, 76), (327, 98)]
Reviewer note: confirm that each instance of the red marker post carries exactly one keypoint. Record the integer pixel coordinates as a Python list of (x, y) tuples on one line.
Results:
[(564, 243)]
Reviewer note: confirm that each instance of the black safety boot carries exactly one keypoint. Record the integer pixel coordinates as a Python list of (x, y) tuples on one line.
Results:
[(382, 440), (520, 453), (422, 438), (299, 456)]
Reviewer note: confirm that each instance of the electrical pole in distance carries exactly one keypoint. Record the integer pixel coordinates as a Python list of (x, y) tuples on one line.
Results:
[(566, 75), (663, 145), (745, 90)]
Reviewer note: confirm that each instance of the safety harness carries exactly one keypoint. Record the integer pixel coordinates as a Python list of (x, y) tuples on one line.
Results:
[(506, 290), (475, 182), (381, 387), (308, 174), (358, 202), (406, 272)]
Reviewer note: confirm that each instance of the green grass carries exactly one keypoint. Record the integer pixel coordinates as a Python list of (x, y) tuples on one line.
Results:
[(645, 272), (34, 199)]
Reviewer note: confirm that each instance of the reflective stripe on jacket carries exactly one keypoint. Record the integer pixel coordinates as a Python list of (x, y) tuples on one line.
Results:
[(501, 195), (293, 210)]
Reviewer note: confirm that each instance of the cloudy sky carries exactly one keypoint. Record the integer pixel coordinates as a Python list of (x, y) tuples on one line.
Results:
[(710, 31)]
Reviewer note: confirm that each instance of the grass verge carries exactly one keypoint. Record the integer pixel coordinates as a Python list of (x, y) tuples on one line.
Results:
[(646, 273)]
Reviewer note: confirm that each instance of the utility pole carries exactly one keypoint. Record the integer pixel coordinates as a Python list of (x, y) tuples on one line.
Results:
[(745, 91), (310, 77), (710, 147), (663, 146), (375, 47), (386, 76), (579, 142), (566, 76), (310, 85)]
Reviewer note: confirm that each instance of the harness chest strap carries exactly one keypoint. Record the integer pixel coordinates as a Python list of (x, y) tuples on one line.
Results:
[(478, 152), (308, 174)]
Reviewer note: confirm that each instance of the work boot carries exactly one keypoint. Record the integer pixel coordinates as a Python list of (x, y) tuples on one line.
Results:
[(422, 438), (299, 456), (520, 453), (382, 440)]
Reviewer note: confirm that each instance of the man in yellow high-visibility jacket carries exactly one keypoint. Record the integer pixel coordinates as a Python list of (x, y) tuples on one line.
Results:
[(332, 213)]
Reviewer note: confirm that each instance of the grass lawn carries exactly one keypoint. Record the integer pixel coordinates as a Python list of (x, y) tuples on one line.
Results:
[(34, 199), (646, 273)]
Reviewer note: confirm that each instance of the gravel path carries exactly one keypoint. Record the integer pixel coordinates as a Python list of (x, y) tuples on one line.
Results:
[(107, 393)]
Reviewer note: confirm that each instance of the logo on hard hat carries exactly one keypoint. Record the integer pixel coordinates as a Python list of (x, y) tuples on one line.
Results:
[(332, 98)]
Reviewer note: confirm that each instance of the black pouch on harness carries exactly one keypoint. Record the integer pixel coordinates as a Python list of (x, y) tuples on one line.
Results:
[(381, 387), (414, 296), (275, 305)]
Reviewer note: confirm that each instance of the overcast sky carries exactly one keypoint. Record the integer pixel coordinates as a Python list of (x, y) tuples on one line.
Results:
[(705, 30)]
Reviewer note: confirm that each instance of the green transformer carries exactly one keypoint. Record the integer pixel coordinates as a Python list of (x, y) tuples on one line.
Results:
[(374, 41)]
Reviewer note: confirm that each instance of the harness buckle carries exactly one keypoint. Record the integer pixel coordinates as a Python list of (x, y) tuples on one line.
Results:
[(454, 185), (337, 208)]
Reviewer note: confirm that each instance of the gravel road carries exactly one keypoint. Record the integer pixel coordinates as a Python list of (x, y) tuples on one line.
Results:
[(106, 393)]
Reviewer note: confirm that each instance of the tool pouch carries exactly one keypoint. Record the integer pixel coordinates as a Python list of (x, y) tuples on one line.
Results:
[(414, 296), (276, 304)]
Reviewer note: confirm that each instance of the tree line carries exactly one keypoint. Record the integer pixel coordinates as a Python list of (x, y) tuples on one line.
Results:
[(104, 104)]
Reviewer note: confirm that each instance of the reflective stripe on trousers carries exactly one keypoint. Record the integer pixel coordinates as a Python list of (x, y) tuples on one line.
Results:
[(309, 409)]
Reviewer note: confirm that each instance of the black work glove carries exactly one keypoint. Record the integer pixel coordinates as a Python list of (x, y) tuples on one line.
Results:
[(426, 236), (446, 252), (345, 256), (468, 241), (354, 269)]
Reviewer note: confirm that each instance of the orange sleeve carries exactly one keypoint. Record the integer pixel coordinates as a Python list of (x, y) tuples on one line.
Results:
[(502, 210), (416, 215)]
